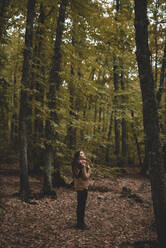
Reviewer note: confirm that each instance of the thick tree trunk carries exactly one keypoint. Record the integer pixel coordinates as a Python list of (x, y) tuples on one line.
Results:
[(24, 184), (145, 165), (150, 117)]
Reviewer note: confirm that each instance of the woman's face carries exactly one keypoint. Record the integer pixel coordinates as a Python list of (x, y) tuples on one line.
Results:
[(82, 155)]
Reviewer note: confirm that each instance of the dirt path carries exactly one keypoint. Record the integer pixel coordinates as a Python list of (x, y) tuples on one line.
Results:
[(116, 220)]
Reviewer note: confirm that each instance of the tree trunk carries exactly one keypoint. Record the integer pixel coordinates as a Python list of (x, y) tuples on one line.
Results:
[(145, 165), (47, 185), (124, 137), (55, 83), (99, 120), (39, 62), (71, 135), (3, 10), (72, 129), (14, 131), (117, 140), (116, 88), (108, 159), (137, 144), (24, 184), (162, 76), (95, 118), (150, 118), (124, 121), (116, 121)]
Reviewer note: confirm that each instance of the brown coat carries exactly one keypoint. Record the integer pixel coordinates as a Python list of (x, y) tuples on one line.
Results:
[(82, 182)]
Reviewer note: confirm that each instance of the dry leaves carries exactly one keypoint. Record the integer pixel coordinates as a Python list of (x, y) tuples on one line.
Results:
[(114, 221)]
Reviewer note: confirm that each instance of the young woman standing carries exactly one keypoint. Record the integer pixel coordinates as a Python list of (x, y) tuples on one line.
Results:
[(81, 174)]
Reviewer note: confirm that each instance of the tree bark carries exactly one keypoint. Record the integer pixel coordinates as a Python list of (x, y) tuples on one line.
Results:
[(116, 88), (137, 144), (71, 135), (124, 121), (3, 10), (72, 129), (116, 121), (150, 119), (162, 76), (47, 185), (145, 165), (108, 159), (39, 62), (24, 184), (55, 83), (117, 139)]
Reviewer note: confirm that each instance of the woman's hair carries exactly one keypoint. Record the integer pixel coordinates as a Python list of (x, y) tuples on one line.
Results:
[(75, 160)]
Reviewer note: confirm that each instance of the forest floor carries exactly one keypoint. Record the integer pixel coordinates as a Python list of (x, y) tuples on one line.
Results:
[(117, 217)]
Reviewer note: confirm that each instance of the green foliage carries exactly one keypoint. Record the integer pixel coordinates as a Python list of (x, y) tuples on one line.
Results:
[(93, 34), (106, 172)]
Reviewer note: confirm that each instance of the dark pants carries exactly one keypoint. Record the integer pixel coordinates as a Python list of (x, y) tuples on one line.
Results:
[(81, 203)]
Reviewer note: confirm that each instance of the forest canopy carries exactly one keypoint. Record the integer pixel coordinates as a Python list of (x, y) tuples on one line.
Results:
[(83, 88)]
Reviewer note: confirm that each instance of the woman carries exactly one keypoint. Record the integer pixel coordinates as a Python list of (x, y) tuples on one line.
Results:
[(81, 174)]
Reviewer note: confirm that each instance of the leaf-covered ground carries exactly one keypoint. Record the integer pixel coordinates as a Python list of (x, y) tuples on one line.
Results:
[(116, 219)]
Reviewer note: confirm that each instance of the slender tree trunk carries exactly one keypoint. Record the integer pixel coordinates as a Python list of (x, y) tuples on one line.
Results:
[(55, 83), (150, 118), (3, 10), (99, 121), (137, 144), (72, 129), (14, 132), (95, 118), (116, 121), (124, 137), (145, 165), (124, 121), (104, 121), (39, 62), (71, 135), (108, 159), (24, 111), (72, 132), (156, 45), (117, 140), (116, 88), (162, 76), (47, 185)]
